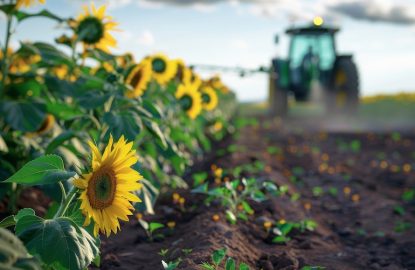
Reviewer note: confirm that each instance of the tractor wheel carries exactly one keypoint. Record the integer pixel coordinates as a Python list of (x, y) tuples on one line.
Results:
[(278, 99), (343, 95)]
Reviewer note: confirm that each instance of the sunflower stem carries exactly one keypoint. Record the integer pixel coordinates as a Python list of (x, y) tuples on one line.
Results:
[(5, 62), (63, 191), (65, 204)]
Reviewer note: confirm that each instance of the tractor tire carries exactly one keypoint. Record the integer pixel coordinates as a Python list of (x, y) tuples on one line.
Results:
[(278, 99), (343, 95)]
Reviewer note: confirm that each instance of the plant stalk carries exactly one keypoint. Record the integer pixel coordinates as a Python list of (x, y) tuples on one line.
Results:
[(66, 202), (5, 62)]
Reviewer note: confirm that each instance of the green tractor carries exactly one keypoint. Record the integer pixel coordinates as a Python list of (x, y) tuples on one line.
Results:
[(313, 63)]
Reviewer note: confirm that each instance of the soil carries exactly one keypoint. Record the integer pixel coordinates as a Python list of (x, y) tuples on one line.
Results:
[(356, 230)]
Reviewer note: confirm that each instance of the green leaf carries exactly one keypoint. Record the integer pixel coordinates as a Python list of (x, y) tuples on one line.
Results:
[(201, 189), (64, 111), (247, 208), (123, 123), (152, 108), (7, 222), (207, 266), (47, 169), (154, 226), (14, 255), (49, 53), (243, 266), (24, 116), (59, 243), (218, 256), (230, 264), (59, 140), (280, 239), (21, 16), (24, 212), (154, 129)]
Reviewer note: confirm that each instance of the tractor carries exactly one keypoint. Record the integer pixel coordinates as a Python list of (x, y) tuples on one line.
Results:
[(313, 63)]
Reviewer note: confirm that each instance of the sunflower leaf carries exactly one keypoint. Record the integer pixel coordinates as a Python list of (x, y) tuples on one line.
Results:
[(23, 115), (47, 169), (59, 243)]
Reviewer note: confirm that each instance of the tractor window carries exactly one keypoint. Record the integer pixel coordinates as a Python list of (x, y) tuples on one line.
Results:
[(321, 46)]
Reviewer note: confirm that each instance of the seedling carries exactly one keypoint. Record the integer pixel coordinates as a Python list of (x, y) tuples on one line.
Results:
[(163, 252), (234, 196), (318, 191), (402, 226), (283, 229), (408, 195), (313, 268), (150, 229), (171, 265), (218, 257)]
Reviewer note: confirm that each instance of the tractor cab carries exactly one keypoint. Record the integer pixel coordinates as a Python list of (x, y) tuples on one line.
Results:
[(312, 57)]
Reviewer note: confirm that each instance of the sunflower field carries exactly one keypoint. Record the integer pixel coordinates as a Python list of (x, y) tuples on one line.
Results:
[(100, 135)]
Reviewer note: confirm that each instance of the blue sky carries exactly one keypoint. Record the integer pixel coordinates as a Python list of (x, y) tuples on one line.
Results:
[(380, 34)]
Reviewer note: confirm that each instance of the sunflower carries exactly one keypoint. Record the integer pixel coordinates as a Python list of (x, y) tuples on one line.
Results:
[(162, 68), (106, 190), (190, 99), (47, 124), (28, 3), (138, 79), (209, 98), (192, 78), (45, 127), (93, 27), (180, 70)]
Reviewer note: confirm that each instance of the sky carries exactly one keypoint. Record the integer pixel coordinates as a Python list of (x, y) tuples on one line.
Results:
[(379, 33)]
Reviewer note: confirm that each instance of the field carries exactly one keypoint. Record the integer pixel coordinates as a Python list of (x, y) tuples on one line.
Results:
[(113, 162), (353, 188)]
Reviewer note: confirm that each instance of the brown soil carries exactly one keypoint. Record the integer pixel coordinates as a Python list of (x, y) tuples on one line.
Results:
[(351, 235)]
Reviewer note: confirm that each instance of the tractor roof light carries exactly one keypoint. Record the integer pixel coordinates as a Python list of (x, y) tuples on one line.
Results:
[(318, 21)]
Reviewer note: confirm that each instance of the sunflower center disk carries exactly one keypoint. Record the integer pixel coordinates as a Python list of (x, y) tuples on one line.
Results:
[(90, 30), (186, 102), (102, 189), (206, 98), (159, 65), (136, 78)]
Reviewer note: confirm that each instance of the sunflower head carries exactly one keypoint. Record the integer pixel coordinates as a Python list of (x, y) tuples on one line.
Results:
[(180, 70), (191, 78), (162, 68), (92, 28), (190, 100), (209, 98), (47, 124), (106, 190), (27, 3), (138, 79)]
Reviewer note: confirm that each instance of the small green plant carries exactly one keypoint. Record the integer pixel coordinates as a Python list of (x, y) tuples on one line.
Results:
[(318, 191), (218, 256), (163, 252), (408, 195), (398, 209), (402, 226), (234, 196), (150, 229), (313, 268), (171, 265), (283, 229)]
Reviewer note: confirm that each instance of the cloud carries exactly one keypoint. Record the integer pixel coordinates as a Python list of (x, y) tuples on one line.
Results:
[(146, 38), (389, 11), (376, 11)]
